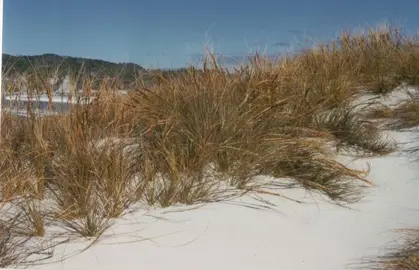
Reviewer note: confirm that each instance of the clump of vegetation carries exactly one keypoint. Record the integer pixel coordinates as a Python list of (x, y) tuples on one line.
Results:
[(403, 255), (403, 115), (241, 124), (12, 247)]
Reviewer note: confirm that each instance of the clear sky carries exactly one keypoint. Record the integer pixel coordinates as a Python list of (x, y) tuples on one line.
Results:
[(170, 34)]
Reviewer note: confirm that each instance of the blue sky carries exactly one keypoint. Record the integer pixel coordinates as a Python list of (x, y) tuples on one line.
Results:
[(171, 34)]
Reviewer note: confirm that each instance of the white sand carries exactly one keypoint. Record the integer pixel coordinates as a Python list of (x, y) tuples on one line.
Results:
[(315, 235), (311, 236)]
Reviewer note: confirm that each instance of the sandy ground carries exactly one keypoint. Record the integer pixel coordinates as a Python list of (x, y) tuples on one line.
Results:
[(229, 235)]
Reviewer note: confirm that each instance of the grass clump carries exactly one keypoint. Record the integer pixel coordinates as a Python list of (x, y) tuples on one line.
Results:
[(12, 247), (58, 158), (243, 124), (403, 255), (403, 115), (354, 132), (86, 178), (375, 60)]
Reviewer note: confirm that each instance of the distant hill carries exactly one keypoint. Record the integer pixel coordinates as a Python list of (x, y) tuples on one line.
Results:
[(66, 65)]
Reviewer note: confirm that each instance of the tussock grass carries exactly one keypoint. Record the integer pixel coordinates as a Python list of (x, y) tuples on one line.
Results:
[(56, 160), (355, 133), (243, 123), (375, 60), (21, 234), (403, 115), (403, 255), (12, 247), (202, 135)]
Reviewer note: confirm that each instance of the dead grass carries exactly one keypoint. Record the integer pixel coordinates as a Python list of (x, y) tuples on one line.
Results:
[(403, 115), (57, 160), (11, 247), (355, 133), (243, 124), (203, 135), (22, 234), (403, 254)]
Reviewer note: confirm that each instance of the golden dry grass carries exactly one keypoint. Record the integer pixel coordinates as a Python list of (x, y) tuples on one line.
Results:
[(203, 135), (401, 255), (403, 115)]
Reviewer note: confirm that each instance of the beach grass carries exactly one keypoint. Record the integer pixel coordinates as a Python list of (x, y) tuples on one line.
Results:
[(202, 136)]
